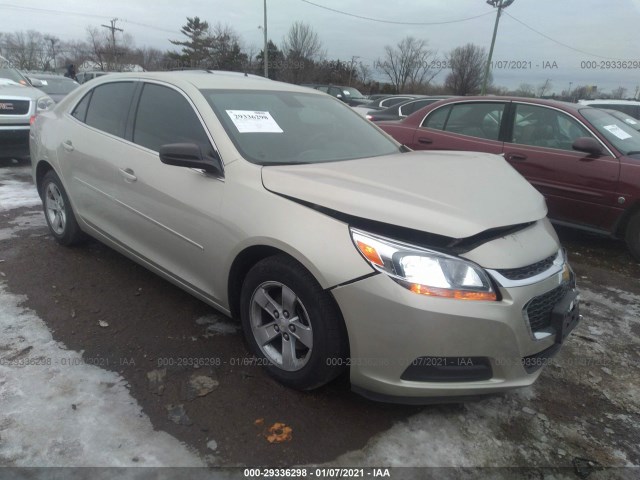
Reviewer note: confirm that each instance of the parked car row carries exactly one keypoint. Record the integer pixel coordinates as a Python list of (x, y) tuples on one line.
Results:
[(584, 160), (421, 274), (349, 95), (56, 86)]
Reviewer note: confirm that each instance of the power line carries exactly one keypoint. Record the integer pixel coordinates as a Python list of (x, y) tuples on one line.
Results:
[(52, 12), (361, 17), (87, 15), (556, 41)]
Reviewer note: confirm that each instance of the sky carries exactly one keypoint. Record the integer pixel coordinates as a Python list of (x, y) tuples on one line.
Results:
[(569, 42)]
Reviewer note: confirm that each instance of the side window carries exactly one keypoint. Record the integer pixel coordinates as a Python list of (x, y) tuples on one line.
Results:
[(335, 91), (109, 107), (545, 127), (409, 108), (437, 118), (80, 112), (165, 116), (481, 120)]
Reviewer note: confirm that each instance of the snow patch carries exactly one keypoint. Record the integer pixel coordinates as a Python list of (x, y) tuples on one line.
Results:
[(15, 193), (54, 414)]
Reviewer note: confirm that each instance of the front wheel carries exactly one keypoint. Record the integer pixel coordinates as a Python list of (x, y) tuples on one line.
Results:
[(632, 236), (292, 324), (57, 211)]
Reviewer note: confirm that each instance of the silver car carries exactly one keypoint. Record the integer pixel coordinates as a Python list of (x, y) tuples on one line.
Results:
[(422, 274)]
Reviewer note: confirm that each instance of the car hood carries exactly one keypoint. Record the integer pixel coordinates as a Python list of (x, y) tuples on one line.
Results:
[(455, 194), (17, 90)]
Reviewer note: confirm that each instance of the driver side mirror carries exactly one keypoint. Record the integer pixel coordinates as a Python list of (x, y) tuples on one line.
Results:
[(190, 155), (588, 145), (36, 82)]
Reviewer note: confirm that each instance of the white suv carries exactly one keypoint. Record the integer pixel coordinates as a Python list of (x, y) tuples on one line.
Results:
[(19, 104)]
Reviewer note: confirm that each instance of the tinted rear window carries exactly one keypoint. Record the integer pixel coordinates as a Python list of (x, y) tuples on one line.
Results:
[(109, 107)]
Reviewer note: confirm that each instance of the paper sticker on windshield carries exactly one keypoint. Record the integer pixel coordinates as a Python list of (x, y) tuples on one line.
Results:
[(250, 121), (618, 132), (630, 121)]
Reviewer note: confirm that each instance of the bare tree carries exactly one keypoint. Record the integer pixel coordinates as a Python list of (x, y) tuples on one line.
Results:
[(408, 63), (467, 69), (364, 72), (52, 49), (23, 49), (301, 48), (226, 49), (525, 90), (75, 52), (544, 88), (618, 93), (302, 43), (98, 48)]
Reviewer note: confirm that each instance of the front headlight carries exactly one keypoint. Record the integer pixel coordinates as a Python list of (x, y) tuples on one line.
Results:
[(424, 271), (45, 103)]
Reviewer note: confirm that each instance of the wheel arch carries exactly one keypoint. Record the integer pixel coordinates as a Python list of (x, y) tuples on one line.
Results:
[(41, 170), (245, 260), (623, 221)]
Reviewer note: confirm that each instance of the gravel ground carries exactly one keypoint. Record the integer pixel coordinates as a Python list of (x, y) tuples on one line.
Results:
[(123, 389)]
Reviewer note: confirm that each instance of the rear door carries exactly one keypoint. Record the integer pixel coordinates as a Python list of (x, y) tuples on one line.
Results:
[(92, 136), (579, 188), (474, 126)]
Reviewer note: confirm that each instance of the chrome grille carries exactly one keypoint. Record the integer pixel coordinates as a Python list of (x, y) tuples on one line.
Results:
[(13, 107), (529, 271)]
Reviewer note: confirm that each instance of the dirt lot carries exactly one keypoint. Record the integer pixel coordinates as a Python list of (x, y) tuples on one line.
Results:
[(583, 413)]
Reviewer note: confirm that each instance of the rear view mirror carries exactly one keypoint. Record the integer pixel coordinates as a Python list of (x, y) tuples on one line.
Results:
[(588, 145), (190, 155)]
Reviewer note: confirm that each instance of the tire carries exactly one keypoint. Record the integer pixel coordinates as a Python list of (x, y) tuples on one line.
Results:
[(632, 236), (301, 341), (58, 212)]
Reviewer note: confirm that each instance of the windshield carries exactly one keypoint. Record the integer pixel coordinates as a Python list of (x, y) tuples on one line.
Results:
[(12, 74), (57, 85), (628, 119), (616, 131), (272, 127), (352, 92)]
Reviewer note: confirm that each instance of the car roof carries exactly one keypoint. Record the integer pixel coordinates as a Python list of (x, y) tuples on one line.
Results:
[(209, 79), (608, 102), (569, 107), (49, 76)]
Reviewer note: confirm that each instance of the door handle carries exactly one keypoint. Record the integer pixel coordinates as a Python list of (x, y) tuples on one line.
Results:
[(68, 146), (128, 175), (516, 157), (425, 140)]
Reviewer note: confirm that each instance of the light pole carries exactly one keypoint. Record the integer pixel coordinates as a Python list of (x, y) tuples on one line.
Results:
[(265, 55), (500, 4)]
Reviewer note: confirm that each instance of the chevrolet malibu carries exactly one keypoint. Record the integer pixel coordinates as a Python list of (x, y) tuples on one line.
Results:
[(423, 274)]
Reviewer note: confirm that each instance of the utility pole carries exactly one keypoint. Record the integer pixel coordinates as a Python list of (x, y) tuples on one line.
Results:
[(500, 4), (113, 29), (265, 56)]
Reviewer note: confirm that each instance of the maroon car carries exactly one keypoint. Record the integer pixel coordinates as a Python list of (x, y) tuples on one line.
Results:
[(585, 161)]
